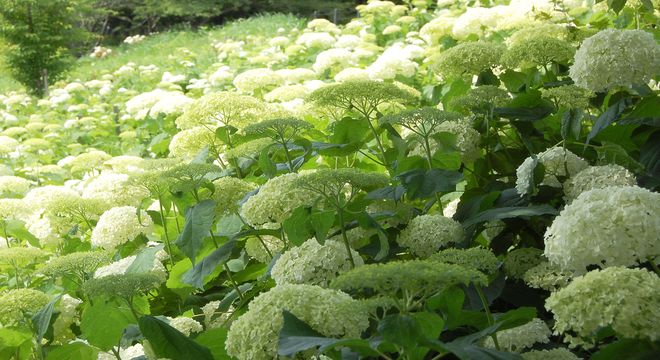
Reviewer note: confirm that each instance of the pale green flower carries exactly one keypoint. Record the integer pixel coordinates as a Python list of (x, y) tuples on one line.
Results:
[(482, 99), (190, 142), (468, 58), (223, 108), (597, 177), (254, 335), (547, 276), (569, 96), (613, 58), (228, 192), (614, 226), (17, 304), (122, 286), (540, 50), (521, 337), (185, 325), (552, 354), (426, 234), (256, 247), (81, 265), (519, 261), (313, 263), (558, 163), (628, 300), (477, 258), (13, 186), (249, 149)]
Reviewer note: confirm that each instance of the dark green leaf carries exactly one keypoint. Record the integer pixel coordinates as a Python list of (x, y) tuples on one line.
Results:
[(393, 192), (421, 184), (571, 124), (267, 166), (169, 343), (199, 219), (630, 349), (401, 329), (616, 5), (321, 222), (609, 116), (144, 261), (509, 212), (349, 130), (208, 265)]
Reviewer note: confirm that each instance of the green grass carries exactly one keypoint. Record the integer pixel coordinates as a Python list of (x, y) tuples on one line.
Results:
[(165, 49), (156, 49)]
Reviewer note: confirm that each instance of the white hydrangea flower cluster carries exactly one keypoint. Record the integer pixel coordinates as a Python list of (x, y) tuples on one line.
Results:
[(614, 226), (316, 40), (156, 102), (557, 162), (616, 58), (396, 60), (521, 337), (214, 318), (120, 267), (13, 186), (189, 142), (113, 190), (426, 234), (256, 79), (118, 226), (68, 316), (332, 313), (314, 264), (628, 300), (597, 177), (185, 325)]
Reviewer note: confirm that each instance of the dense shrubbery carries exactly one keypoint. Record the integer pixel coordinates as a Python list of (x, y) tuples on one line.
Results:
[(426, 181)]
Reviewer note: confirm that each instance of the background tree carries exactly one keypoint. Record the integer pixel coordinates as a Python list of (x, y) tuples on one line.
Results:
[(43, 36)]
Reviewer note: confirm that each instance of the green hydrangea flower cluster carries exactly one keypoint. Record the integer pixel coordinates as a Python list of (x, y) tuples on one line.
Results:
[(468, 58), (569, 96), (539, 50), (426, 234), (521, 337), (313, 263), (228, 192), (628, 300), (254, 335), (223, 108), (547, 276), (477, 258), (80, 265), (15, 304), (519, 261), (552, 354)]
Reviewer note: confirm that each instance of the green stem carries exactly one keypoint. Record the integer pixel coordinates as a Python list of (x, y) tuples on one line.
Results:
[(167, 236), (288, 156), (654, 266), (345, 238), (233, 282), (489, 315)]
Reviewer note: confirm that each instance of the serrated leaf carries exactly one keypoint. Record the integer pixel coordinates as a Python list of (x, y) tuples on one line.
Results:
[(297, 226), (199, 219), (102, 324), (167, 342)]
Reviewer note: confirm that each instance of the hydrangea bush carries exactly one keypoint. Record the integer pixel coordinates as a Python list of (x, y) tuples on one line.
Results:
[(432, 179)]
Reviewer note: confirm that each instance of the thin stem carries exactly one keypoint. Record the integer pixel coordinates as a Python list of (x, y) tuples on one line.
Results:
[(176, 218), (167, 236), (378, 142), (489, 315), (233, 282), (654, 266), (345, 238), (288, 156)]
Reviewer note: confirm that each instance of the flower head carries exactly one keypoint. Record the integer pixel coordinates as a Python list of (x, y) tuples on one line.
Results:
[(614, 58), (518, 261), (118, 226), (426, 234), (614, 226), (313, 263), (521, 337), (477, 258), (597, 177), (223, 108), (80, 264), (469, 58), (332, 313), (557, 163), (16, 304), (627, 300), (539, 50)]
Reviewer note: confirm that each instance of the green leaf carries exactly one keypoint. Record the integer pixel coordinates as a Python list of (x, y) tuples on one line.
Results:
[(73, 351), (16, 228), (616, 5), (297, 336), (41, 320), (297, 227), (102, 324), (516, 317), (349, 131), (644, 112), (144, 261), (609, 116), (571, 124), (401, 329), (422, 184), (167, 342), (199, 219), (208, 265), (229, 225), (321, 223), (214, 340), (13, 340), (267, 166), (509, 212), (630, 349)]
